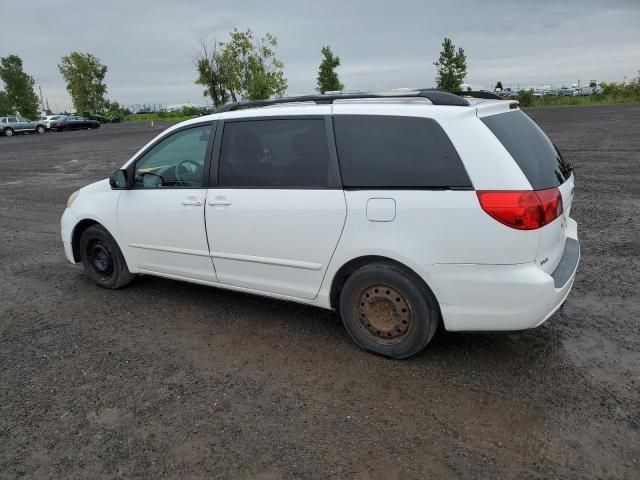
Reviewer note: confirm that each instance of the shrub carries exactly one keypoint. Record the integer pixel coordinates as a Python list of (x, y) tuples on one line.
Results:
[(525, 97)]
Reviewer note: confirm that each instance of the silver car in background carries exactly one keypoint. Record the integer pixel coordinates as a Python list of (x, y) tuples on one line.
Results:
[(17, 124)]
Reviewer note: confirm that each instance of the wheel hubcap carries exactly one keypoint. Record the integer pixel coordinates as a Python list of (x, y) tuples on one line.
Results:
[(384, 312)]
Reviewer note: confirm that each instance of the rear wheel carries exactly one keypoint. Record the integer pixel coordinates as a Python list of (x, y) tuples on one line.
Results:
[(8, 132), (388, 311), (102, 259)]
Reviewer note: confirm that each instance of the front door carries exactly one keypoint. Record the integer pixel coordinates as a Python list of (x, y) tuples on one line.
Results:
[(277, 213), (162, 217)]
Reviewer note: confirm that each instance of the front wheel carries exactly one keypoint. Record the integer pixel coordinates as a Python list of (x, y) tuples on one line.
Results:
[(40, 129), (103, 260), (388, 311)]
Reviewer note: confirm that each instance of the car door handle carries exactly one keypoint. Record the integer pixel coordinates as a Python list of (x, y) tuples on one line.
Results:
[(196, 203), (219, 203)]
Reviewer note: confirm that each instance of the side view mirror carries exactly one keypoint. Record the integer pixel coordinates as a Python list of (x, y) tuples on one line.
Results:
[(119, 180)]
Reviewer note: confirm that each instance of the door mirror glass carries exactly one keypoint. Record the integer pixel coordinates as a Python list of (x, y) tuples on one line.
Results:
[(118, 180)]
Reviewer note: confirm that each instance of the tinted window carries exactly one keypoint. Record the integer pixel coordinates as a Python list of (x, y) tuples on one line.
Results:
[(275, 153), (532, 150), (396, 152), (13, 120), (176, 161)]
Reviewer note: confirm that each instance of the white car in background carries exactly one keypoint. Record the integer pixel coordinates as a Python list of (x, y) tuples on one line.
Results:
[(402, 213), (48, 119)]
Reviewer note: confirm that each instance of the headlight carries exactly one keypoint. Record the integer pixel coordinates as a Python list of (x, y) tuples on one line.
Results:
[(72, 198)]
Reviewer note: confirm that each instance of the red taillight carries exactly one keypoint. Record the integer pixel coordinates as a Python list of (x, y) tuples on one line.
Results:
[(524, 210)]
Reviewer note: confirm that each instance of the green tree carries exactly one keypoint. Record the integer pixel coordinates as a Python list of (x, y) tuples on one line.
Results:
[(84, 75), (19, 95), (452, 67), (213, 72), (498, 86), (5, 105), (243, 68), (327, 77)]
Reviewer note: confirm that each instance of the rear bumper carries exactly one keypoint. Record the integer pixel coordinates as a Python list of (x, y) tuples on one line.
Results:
[(503, 297)]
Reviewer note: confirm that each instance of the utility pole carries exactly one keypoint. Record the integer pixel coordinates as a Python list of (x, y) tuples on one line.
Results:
[(41, 98)]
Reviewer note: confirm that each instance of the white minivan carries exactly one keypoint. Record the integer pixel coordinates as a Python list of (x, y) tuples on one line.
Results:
[(401, 212)]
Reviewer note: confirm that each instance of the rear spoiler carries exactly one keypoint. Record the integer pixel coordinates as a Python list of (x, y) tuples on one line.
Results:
[(491, 107), (479, 94)]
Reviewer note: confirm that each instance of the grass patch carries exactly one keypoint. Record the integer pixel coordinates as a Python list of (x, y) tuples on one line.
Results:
[(553, 101)]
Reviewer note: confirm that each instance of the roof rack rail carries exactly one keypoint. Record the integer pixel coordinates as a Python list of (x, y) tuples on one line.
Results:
[(437, 97)]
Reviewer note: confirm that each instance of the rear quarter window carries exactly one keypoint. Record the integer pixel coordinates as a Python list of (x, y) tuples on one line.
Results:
[(535, 154), (379, 151)]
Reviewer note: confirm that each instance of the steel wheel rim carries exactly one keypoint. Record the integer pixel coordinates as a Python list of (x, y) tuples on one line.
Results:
[(100, 258), (384, 313)]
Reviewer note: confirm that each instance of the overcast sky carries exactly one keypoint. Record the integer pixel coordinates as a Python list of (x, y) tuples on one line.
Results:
[(148, 45)]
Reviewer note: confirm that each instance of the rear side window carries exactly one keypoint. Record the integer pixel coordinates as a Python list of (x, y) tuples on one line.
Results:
[(377, 151), (279, 153), (537, 157)]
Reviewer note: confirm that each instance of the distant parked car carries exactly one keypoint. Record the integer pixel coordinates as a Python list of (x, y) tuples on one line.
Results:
[(11, 125), (95, 116), (74, 123), (49, 119)]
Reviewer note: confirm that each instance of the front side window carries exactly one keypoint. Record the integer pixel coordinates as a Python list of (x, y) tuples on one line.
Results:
[(275, 153), (13, 120), (23, 120), (378, 151), (177, 161)]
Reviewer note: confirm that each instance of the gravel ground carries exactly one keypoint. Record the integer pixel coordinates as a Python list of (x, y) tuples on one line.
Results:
[(168, 379)]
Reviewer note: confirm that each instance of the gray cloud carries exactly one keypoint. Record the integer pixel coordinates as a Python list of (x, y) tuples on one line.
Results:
[(148, 45)]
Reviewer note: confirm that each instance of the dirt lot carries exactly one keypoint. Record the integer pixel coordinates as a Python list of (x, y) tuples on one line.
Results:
[(168, 379)]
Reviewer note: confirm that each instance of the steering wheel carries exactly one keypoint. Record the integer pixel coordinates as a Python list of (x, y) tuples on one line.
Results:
[(187, 171)]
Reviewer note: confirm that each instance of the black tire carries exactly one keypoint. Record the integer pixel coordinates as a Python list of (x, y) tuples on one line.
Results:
[(8, 132), (102, 259), (40, 130), (388, 311)]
